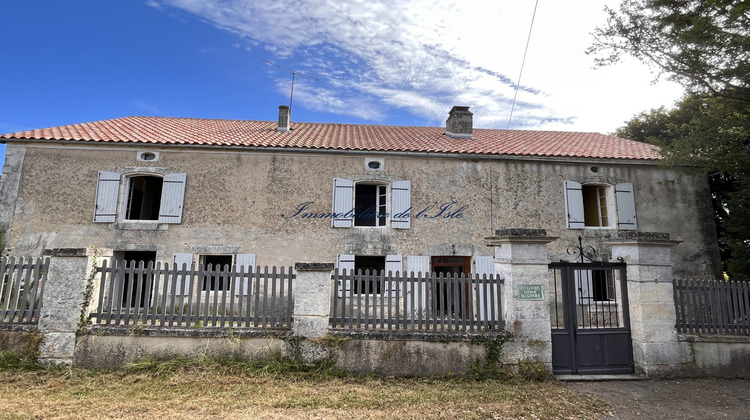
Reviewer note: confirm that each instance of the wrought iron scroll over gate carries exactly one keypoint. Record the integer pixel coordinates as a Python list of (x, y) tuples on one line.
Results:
[(590, 319)]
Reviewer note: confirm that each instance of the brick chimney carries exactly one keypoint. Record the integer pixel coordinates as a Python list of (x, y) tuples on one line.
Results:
[(284, 118), (460, 123)]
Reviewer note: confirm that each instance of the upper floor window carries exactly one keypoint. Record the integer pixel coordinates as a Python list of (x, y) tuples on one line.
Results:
[(141, 198), (144, 198), (596, 205), (371, 204)]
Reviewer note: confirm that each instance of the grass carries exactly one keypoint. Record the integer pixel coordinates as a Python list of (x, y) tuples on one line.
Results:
[(211, 389)]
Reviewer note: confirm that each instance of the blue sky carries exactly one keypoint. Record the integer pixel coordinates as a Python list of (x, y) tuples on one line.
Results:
[(389, 62)]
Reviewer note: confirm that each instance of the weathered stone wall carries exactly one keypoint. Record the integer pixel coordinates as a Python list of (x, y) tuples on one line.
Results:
[(234, 202)]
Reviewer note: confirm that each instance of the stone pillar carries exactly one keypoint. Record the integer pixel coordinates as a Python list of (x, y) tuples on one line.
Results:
[(312, 299), (69, 294), (521, 259), (648, 255)]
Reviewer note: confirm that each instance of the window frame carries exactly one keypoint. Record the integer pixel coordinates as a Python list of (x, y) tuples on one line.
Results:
[(620, 205), (113, 191), (397, 203)]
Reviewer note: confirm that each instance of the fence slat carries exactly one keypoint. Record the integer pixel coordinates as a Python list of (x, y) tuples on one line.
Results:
[(712, 306)]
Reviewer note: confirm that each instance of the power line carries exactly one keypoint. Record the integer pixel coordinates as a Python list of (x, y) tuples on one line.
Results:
[(523, 62)]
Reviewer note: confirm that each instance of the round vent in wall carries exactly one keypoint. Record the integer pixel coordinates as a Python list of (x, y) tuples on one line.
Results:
[(148, 156), (374, 164)]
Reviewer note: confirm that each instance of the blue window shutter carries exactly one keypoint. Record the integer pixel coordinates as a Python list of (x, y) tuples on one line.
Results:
[(183, 261), (574, 205), (401, 204), (625, 206), (343, 202), (394, 266), (344, 265), (107, 189), (484, 266), (172, 197), (244, 263)]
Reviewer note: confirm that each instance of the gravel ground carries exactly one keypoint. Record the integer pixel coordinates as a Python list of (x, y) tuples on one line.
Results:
[(671, 399)]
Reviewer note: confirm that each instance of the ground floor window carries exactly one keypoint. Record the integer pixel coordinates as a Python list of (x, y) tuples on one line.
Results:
[(216, 264)]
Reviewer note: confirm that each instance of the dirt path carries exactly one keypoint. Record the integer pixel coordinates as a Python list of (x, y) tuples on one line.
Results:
[(672, 399)]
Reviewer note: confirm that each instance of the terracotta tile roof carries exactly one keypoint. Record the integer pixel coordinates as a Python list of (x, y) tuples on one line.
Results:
[(207, 132)]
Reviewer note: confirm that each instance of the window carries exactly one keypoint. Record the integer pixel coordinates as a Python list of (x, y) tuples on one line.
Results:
[(595, 286), (367, 204), (594, 206), (213, 281), (133, 282), (216, 266), (370, 205), (146, 197), (347, 264)]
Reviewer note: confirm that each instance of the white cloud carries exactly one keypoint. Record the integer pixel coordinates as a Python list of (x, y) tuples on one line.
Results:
[(426, 56)]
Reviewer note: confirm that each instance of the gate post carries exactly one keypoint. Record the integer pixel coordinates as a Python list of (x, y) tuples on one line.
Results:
[(521, 259), (648, 258), (69, 293), (312, 299)]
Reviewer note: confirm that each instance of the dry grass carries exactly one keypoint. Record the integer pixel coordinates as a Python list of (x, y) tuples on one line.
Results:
[(209, 392)]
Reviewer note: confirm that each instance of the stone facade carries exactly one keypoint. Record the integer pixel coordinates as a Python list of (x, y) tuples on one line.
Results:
[(246, 201)]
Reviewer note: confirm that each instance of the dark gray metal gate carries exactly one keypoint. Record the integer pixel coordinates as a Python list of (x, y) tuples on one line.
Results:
[(590, 319)]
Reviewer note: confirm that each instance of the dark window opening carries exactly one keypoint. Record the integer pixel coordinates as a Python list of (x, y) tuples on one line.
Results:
[(144, 198), (595, 205), (218, 265), (603, 285), (372, 265), (130, 283), (370, 205)]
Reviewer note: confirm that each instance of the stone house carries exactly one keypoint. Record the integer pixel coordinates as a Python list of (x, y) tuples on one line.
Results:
[(450, 200), (367, 197)]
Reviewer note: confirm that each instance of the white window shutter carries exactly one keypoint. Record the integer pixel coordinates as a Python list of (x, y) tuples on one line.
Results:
[(574, 205), (416, 264), (401, 204), (181, 282), (343, 203), (584, 287), (244, 263), (625, 206), (107, 189), (344, 265), (172, 197), (484, 266), (394, 266)]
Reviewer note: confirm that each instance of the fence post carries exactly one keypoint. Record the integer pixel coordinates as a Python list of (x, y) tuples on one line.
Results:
[(648, 255), (70, 291), (521, 259), (312, 299)]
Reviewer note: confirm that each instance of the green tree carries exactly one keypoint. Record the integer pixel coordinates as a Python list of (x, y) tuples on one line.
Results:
[(711, 134), (702, 44)]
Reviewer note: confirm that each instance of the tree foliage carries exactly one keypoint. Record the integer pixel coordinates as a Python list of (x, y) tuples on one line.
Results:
[(712, 134), (705, 46), (702, 44)]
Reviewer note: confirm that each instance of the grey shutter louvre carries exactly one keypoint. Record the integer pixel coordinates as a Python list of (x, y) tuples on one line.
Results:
[(183, 283), (574, 205), (625, 206), (172, 197), (416, 265), (393, 267), (107, 189), (344, 265), (584, 286), (484, 266), (244, 263), (401, 204), (343, 199)]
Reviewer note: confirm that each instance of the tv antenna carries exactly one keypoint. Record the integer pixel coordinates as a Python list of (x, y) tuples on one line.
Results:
[(294, 73)]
